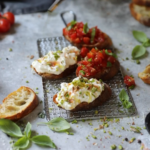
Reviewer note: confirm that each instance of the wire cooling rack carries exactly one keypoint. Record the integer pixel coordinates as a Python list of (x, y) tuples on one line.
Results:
[(112, 108)]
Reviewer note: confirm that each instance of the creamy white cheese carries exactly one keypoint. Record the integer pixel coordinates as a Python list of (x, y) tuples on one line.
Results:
[(79, 90), (55, 62)]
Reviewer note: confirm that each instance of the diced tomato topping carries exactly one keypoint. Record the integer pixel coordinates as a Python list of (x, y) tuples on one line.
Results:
[(91, 55), (111, 59), (77, 40), (86, 40), (73, 36), (84, 51), (129, 81)]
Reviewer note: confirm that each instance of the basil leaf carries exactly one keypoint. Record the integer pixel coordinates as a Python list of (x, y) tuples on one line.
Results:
[(93, 34), (125, 99), (110, 54), (85, 28), (43, 140), (147, 43), (10, 128), (82, 72), (58, 124), (123, 95), (72, 23), (140, 36), (109, 64), (138, 51), (27, 130), (21, 143)]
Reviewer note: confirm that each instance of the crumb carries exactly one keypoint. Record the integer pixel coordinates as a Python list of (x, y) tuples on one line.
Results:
[(133, 123), (32, 56)]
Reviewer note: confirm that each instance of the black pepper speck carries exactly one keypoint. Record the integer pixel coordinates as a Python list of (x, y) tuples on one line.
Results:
[(6, 58), (126, 139), (139, 141)]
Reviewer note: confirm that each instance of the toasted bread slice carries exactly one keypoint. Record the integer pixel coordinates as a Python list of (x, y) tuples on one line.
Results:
[(145, 75), (18, 104), (140, 13), (106, 44), (65, 73), (104, 96), (142, 2)]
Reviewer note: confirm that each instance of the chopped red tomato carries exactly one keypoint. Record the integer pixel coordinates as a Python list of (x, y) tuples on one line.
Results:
[(84, 51), (91, 55), (86, 40), (129, 81)]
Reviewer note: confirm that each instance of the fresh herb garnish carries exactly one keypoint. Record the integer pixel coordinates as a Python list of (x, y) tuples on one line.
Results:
[(57, 124), (138, 51), (74, 121), (125, 99), (23, 142), (41, 115), (56, 55), (72, 23), (82, 72), (90, 59), (147, 43), (94, 89), (85, 28), (109, 64), (93, 33), (140, 36), (110, 53)]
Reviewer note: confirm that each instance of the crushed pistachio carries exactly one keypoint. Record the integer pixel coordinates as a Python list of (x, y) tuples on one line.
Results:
[(138, 62), (113, 147), (37, 88), (74, 121), (83, 120), (120, 147), (127, 58), (27, 81), (106, 125), (95, 129), (37, 92), (104, 131), (135, 129), (117, 120), (122, 128), (110, 133), (41, 115), (87, 138), (132, 140), (96, 112), (90, 123), (128, 69), (10, 49), (94, 137)]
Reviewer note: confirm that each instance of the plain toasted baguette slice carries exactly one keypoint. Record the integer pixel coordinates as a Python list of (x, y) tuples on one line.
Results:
[(142, 2), (140, 13), (18, 104), (145, 75), (65, 73), (106, 44), (105, 96)]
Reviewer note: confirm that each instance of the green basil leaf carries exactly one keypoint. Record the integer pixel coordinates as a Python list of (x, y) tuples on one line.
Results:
[(110, 54), (58, 124), (93, 33), (10, 128), (109, 64), (123, 95), (82, 72), (43, 140), (138, 51), (85, 28), (147, 43), (72, 23), (140, 36), (27, 130), (21, 143)]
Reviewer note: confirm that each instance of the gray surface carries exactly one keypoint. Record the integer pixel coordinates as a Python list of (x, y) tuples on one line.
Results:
[(112, 18)]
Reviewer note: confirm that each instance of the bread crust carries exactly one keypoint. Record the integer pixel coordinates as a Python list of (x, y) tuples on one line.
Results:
[(107, 73), (138, 16), (65, 73), (25, 111), (142, 2), (105, 96), (106, 44), (145, 75)]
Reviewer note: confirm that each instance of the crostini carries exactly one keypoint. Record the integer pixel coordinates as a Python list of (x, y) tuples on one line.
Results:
[(82, 94), (80, 35), (145, 75), (18, 104), (99, 64), (142, 2), (57, 64)]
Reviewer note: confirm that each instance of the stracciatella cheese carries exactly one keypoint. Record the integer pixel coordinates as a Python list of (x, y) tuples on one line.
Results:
[(55, 62), (79, 90)]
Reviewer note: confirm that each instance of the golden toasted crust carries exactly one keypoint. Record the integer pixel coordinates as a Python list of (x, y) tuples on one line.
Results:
[(7, 108), (141, 17), (108, 73), (65, 73), (142, 2), (106, 44), (105, 96), (145, 75)]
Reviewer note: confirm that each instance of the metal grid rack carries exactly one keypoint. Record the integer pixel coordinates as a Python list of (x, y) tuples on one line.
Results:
[(112, 108)]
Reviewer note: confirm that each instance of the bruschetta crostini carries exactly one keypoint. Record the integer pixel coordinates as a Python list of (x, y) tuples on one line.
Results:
[(82, 94), (99, 64), (80, 35), (57, 64)]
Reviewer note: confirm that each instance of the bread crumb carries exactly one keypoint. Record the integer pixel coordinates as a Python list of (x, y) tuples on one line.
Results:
[(32, 56)]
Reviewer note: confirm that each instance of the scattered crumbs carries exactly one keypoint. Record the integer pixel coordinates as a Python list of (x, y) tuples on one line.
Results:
[(95, 144), (37, 88), (138, 62), (104, 131), (90, 123), (83, 120), (32, 56), (120, 147), (142, 147), (94, 137), (117, 120), (87, 138), (128, 69), (137, 94), (127, 58), (101, 139), (123, 59), (126, 139), (47, 91), (106, 125), (27, 81), (132, 140), (95, 129), (101, 126), (133, 123), (41, 102), (139, 141), (122, 128), (37, 92), (110, 133), (10, 49), (113, 147), (74, 122)]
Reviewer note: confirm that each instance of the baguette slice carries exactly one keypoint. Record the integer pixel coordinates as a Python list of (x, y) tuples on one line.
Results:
[(18, 104), (105, 96), (65, 73), (142, 2), (145, 75), (140, 13), (106, 44)]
